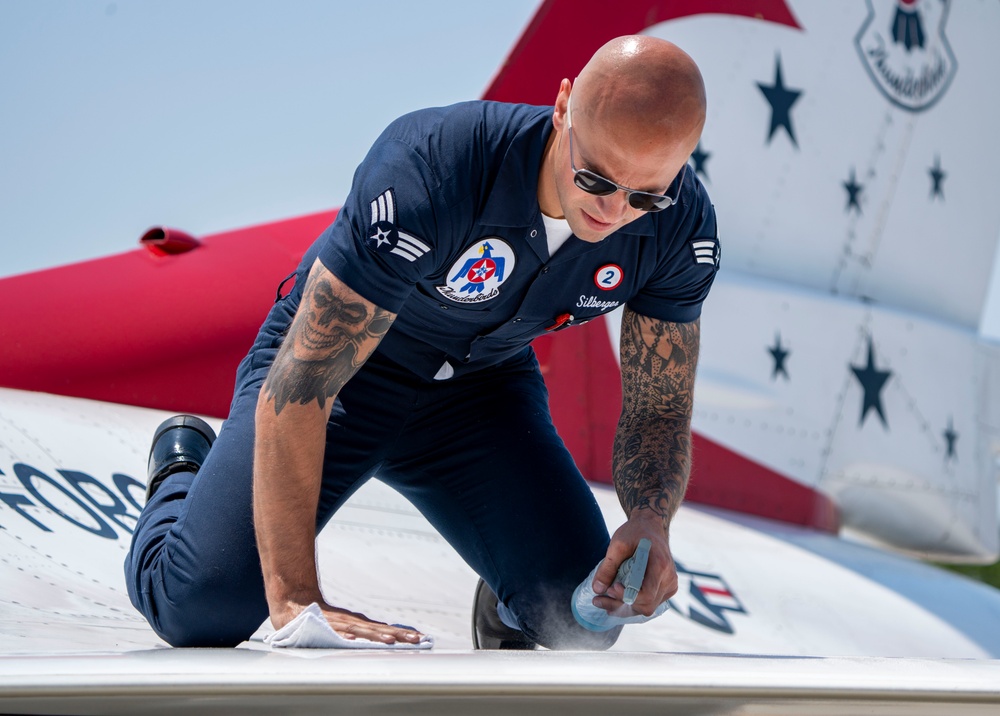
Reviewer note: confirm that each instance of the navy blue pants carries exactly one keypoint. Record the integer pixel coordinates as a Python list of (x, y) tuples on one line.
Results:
[(477, 455)]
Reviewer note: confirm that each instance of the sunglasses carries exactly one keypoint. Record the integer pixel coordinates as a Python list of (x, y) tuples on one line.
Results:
[(595, 184)]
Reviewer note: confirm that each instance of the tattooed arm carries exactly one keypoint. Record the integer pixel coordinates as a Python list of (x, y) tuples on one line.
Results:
[(652, 453), (333, 333)]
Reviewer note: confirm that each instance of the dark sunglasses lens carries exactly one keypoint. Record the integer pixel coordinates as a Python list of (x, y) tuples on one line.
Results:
[(593, 184), (648, 202)]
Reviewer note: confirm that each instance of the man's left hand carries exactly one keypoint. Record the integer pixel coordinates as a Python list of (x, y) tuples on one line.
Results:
[(660, 582)]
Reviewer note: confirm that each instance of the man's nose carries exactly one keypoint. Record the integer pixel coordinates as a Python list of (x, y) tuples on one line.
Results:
[(612, 207)]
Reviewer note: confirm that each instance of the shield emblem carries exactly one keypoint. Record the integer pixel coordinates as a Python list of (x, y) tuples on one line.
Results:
[(904, 49)]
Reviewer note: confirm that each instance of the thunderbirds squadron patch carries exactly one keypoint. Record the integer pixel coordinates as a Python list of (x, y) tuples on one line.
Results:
[(478, 273)]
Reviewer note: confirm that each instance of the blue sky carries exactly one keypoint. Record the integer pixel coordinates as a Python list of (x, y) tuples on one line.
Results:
[(210, 115), (214, 114)]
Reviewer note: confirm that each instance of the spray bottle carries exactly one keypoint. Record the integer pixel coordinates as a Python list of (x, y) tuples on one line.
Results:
[(630, 575)]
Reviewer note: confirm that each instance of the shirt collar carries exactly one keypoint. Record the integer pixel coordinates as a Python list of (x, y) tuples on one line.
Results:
[(513, 202)]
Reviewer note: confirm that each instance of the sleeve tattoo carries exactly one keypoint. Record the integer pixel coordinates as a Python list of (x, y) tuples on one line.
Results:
[(330, 338), (652, 453)]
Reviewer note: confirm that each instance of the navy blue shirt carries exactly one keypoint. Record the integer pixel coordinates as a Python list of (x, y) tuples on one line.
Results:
[(442, 226)]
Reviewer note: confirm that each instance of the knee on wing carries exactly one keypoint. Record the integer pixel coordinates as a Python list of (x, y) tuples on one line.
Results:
[(206, 623), (205, 611), (547, 618)]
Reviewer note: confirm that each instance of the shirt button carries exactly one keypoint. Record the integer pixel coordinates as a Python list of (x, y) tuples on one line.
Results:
[(534, 233)]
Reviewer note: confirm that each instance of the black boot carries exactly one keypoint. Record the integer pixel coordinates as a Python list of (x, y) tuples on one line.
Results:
[(488, 632), (180, 444)]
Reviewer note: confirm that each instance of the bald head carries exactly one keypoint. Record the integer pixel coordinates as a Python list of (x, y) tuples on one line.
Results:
[(644, 87), (633, 117)]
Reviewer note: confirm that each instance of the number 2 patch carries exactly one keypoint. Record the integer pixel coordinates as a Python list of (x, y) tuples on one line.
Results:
[(608, 277)]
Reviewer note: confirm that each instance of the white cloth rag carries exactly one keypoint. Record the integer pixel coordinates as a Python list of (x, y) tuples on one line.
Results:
[(310, 630)]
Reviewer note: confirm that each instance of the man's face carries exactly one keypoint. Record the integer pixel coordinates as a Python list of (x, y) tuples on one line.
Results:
[(625, 155)]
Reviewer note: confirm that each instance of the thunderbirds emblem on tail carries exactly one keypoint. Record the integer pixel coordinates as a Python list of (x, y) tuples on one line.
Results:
[(904, 49)]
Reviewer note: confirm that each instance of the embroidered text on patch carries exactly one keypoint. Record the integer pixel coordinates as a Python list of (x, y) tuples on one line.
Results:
[(383, 235)]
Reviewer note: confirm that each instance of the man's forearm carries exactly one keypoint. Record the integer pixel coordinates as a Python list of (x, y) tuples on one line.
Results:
[(287, 476), (652, 453), (652, 464)]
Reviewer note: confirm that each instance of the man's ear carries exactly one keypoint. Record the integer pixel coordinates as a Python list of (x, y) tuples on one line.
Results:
[(562, 100)]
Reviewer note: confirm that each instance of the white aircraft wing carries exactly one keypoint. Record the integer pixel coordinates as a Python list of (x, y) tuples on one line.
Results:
[(769, 618)]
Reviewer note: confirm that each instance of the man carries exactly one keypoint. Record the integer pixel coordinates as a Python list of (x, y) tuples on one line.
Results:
[(403, 353)]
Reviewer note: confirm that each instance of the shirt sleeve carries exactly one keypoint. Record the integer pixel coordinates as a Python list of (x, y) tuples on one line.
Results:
[(685, 273), (384, 238)]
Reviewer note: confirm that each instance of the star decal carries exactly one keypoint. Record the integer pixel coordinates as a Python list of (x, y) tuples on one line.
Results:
[(872, 381), (779, 354), (700, 157), (950, 437), (853, 193), (937, 178), (381, 236), (781, 100)]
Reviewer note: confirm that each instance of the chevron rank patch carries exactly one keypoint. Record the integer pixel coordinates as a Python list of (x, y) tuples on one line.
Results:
[(384, 237), (706, 251)]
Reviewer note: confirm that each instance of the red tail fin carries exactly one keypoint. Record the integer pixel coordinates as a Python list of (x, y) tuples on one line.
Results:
[(563, 35)]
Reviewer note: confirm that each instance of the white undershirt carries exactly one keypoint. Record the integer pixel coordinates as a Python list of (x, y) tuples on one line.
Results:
[(556, 233)]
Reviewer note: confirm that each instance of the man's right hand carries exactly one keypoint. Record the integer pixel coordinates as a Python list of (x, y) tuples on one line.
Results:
[(350, 625)]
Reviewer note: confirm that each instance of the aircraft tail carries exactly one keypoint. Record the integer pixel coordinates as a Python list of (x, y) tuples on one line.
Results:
[(840, 352)]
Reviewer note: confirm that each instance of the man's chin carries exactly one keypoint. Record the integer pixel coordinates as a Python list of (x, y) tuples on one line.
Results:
[(591, 231)]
